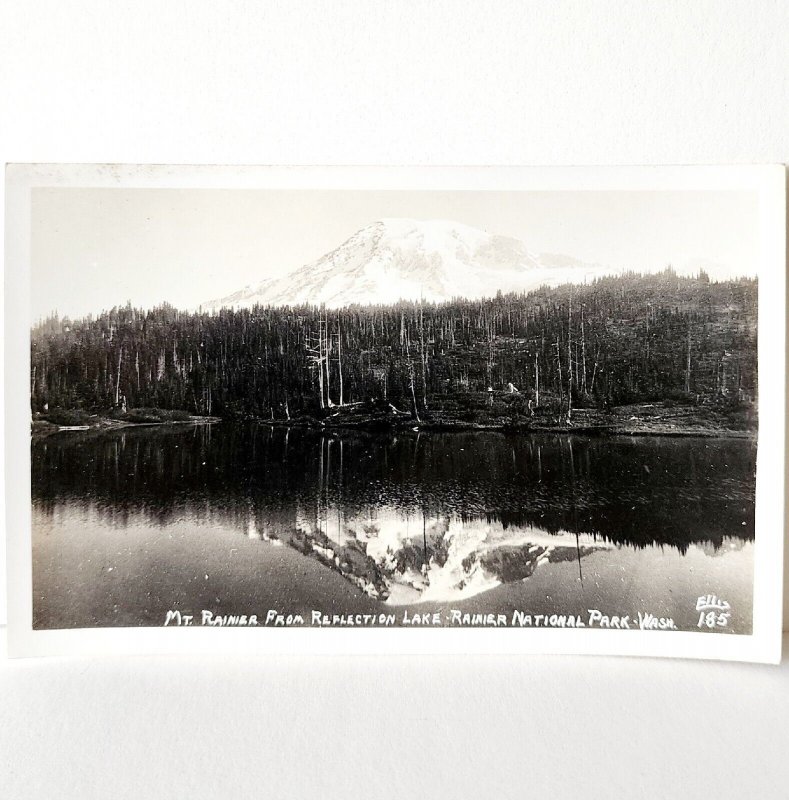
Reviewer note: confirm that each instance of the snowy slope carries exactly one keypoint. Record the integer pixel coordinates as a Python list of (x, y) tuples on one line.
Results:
[(394, 259), (467, 557)]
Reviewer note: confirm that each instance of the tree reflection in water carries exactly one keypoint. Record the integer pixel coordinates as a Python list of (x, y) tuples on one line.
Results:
[(411, 518)]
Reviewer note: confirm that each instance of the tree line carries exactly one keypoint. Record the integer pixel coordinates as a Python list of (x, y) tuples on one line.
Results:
[(622, 339)]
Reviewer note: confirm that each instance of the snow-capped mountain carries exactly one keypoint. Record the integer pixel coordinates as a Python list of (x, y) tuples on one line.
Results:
[(408, 259), (465, 557)]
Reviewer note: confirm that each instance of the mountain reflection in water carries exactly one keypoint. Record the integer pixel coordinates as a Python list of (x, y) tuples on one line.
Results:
[(424, 517)]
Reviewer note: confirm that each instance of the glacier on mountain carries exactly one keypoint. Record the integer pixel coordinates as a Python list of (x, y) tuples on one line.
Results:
[(407, 259)]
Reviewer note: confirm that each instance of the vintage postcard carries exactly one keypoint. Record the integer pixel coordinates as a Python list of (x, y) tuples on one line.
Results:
[(395, 410)]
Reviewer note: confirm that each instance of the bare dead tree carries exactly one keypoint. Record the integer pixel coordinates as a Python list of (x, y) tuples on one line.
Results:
[(594, 370), (411, 377), (569, 361), (536, 380), (339, 356), (422, 354), (559, 368), (327, 345), (118, 377), (315, 355), (583, 352)]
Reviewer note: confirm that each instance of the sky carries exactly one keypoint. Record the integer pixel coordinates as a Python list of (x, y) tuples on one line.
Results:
[(92, 249)]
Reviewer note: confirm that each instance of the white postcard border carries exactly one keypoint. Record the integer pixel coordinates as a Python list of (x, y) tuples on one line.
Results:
[(763, 645)]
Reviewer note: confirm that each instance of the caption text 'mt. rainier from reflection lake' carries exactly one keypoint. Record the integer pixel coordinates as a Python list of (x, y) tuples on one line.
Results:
[(594, 618)]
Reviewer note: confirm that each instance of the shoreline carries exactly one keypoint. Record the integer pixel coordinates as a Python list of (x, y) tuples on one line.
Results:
[(640, 421), (663, 419), (43, 428), (580, 430)]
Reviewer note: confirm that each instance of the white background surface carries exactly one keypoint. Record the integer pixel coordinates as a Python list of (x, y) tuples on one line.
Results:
[(464, 82)]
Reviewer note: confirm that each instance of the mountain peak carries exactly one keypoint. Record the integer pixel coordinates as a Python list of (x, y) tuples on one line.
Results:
[(400, 258)]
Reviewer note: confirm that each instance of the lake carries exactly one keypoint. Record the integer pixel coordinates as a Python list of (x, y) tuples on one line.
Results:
[(247, 519)]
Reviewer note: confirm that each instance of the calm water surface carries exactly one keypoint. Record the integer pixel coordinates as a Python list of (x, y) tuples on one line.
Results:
[(243, 518)]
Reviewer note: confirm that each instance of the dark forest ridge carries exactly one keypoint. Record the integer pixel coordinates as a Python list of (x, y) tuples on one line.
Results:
[(518, 360)]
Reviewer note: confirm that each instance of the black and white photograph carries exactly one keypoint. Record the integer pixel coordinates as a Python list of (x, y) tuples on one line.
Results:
[(483, 406)]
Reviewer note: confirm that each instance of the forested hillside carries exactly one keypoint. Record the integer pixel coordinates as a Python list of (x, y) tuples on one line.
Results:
[(622, 339)]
